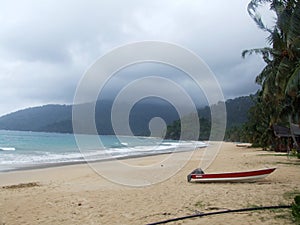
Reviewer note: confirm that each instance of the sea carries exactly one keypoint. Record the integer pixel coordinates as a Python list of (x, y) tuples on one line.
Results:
[(27, 150)]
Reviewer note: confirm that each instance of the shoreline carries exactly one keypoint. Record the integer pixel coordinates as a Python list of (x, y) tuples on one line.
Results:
[(62, 164), (76, 194)]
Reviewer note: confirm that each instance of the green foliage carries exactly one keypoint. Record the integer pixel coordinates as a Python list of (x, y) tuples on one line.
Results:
[(295, 153), (257, 129), (237, 110), (236, 134), (279, 97), (237, 115), (296, 209), (174, 130)]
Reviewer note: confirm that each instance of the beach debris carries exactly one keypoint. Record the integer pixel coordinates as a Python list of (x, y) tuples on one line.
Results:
[(245, 145), (22, 185)]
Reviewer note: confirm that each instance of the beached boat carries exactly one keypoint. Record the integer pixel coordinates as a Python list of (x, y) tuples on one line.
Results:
[(199, 176)]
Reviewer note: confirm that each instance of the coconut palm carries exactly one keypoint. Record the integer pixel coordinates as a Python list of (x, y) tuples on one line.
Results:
[(280, 79)]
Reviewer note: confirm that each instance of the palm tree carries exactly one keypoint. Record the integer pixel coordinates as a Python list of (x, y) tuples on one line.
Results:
[(280, 79)]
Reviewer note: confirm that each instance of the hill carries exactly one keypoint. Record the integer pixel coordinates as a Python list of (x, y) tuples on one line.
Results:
[(237, 114), (36, 118), (236, 110), (58, 118)]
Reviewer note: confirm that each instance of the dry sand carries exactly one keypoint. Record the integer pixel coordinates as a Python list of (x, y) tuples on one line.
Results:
[(75, 194)]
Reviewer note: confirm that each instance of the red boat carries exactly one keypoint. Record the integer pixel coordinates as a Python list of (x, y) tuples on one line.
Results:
[(199, 176)]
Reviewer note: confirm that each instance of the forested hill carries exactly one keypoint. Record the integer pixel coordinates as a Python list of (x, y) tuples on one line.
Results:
[(237, 110), (237, 115), (37, 118), (58, 118)]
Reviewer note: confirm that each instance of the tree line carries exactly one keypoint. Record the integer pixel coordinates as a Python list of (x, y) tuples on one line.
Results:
[(278, 100)]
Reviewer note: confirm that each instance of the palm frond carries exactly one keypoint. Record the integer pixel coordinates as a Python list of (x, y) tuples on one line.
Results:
[(293, 84), (263, 74), (265, 52), (283, 73), (276, 39), (255, 15), (269, 89), (294, 26), (277, 6)]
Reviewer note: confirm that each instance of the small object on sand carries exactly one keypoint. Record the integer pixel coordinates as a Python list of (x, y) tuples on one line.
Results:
[(21, 185), (199, 176), (245, 145)]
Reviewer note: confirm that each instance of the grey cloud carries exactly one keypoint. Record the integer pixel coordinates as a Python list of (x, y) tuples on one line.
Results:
[(45, 47)]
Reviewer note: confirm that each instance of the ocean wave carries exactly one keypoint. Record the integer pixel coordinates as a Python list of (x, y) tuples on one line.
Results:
[(63, 149), (7, 149)]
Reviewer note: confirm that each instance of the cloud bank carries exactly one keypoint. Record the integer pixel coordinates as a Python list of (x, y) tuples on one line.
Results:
[(46, 46)]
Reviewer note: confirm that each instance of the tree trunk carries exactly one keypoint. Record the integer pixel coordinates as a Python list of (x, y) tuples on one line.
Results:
[(293, 136)]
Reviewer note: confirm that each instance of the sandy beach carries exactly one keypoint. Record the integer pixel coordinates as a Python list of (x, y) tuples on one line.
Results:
[(76, 194)]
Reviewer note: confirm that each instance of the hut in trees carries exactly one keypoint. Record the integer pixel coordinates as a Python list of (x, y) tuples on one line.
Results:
[(286, 138), (283, 138), (295, 131)]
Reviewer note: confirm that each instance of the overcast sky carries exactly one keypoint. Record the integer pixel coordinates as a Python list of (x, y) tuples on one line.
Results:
[(46, 46)]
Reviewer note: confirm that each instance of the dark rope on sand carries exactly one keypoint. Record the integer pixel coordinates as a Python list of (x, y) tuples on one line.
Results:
[(221, 212)]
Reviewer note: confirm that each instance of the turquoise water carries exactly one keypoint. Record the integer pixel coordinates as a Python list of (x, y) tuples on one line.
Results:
[(21, 149)]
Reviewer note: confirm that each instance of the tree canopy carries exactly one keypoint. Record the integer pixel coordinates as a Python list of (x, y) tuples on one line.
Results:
[(278, 99)]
